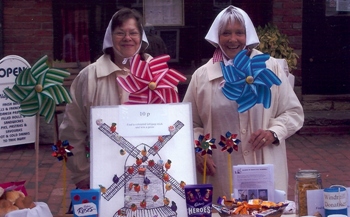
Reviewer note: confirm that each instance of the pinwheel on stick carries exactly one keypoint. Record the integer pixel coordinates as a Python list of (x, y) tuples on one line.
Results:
[(151, 82), (248, 82), (229, 143), (38, 90), (62, 150), (204, 145)]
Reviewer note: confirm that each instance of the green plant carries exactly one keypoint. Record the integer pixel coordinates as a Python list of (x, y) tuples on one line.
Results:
[(276, 45)]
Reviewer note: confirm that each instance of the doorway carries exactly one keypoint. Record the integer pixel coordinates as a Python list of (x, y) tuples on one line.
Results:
[(326, 48)]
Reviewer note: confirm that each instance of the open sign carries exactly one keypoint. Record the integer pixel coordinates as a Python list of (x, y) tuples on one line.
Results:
[(11, 71), (15, 129)]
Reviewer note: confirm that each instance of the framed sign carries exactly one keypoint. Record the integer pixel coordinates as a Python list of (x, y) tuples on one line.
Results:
[(343, 5), (142, 170), (163, 12)]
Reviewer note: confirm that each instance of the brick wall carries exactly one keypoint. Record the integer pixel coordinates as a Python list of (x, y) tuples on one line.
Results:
[(287, 15), (28, 28)]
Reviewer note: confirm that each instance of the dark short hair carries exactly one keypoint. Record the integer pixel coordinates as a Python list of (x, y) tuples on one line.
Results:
[(125, 14), (119, 18)]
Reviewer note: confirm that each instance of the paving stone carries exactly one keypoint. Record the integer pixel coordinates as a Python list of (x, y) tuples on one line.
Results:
[(328, 153)]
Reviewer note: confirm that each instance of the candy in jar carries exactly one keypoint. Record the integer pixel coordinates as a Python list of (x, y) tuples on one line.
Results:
[(305, 180)]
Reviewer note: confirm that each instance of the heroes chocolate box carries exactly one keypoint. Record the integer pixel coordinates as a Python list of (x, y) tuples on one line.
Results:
[(199, 200)]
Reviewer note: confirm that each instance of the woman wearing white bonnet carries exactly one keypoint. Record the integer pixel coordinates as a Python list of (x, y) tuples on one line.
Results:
[(261, 131), (96, 85)]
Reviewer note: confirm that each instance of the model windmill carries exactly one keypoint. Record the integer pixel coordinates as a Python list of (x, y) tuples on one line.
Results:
[(146, 166)]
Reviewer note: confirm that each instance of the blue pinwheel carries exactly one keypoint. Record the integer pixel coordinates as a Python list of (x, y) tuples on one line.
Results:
[(248, 82)]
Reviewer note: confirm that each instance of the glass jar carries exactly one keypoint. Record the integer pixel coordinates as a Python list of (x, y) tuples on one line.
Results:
[(305, 180)]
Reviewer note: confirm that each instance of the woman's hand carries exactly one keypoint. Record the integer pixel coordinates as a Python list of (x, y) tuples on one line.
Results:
[(211, 167), (261, 138)]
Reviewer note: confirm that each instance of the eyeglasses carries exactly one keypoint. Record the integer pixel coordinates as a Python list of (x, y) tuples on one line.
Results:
[(120, 34)]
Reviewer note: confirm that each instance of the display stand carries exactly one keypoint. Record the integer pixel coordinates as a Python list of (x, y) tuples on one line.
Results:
[(142, 134)]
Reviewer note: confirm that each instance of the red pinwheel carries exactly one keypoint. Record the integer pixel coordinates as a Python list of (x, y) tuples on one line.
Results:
[(205, 145), (229, 143), (151, 82), (62, 150)]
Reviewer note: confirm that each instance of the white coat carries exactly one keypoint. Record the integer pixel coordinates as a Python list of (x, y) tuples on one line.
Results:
[(215, 114), (96, 85)]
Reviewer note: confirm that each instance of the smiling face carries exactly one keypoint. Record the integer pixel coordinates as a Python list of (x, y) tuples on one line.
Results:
[(232, 39), (127, 38)]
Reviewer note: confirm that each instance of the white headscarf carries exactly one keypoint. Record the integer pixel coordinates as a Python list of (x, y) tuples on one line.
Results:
[(252, 39), (107, 41)]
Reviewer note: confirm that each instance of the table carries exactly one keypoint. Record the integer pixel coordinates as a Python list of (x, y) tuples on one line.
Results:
[(213, 215), (286, 215)]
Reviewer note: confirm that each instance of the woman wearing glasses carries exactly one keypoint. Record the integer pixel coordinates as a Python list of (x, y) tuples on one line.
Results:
[(96, 85)]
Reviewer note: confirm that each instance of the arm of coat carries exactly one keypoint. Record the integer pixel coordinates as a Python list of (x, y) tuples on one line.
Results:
[(74, 128), (289, 114), (191, 96)]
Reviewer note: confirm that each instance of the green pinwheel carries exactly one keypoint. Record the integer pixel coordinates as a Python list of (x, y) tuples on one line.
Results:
[(39, 89)]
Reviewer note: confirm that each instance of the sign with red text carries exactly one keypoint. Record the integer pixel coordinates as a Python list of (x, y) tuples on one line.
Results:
[(14, 128)]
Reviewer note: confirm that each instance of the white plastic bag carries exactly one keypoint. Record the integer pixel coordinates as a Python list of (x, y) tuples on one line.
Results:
[(40, 210)]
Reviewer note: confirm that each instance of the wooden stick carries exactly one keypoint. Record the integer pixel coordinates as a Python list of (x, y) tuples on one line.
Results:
[(255, 161), (251, 131), (36, 146), (64, 184), (205, 169), (230, 174)]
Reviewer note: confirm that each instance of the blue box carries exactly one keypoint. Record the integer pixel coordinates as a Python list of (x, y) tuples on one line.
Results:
[(85, 202)]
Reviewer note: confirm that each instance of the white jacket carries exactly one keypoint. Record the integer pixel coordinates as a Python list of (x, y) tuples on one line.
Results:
[(96, 85), (215, 114)]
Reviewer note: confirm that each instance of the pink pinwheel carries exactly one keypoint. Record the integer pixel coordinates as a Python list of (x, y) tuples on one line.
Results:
[(151, 82)]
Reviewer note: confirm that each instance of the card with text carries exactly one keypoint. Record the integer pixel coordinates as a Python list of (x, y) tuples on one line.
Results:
[(142, 156)]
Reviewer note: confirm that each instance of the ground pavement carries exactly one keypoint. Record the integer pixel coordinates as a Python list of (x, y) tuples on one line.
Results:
[(329, 154)]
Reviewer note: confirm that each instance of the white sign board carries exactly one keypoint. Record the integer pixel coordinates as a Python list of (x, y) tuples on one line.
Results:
[(14, 128), (343, 5), (134, 170), (247, 187)]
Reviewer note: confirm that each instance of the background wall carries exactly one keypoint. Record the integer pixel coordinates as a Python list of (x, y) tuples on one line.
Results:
[(287, 15), (27, 28)]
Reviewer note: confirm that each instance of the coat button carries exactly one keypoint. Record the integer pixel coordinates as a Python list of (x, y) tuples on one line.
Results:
[(246, 153), (243, 131)]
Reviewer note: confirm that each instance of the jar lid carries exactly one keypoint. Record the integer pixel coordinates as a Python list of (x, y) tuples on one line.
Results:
[(307, 174)]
